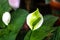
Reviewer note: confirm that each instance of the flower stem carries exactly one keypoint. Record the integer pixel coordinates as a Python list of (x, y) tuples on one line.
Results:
[(30, 34)]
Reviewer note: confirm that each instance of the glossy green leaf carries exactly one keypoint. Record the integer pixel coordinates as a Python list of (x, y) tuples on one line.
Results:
[(18, 18), (43, 31)]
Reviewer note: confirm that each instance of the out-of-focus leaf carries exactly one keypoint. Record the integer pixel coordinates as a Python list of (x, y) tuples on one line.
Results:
[(56, 34), (43, 31), (4, 6), (47, 1), (17, 20)]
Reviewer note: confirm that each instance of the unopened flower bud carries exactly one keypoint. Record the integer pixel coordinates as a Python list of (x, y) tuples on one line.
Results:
[(34, 20), (14, 3), (6, 18)]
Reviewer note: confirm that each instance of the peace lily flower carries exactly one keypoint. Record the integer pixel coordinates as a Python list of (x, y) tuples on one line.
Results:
[(34, 20), (6, 18), (14, 3)]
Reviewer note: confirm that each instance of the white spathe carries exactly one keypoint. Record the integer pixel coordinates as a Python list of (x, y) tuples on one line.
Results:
[(6, 18), (14, 3), (39, 23)]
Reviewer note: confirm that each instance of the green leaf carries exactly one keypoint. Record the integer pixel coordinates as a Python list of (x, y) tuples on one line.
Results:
[(18, 18), (4, 6), (43, 31), (56, 34)]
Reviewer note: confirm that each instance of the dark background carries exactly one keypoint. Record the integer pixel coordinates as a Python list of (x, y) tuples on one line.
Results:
[(44, 8)]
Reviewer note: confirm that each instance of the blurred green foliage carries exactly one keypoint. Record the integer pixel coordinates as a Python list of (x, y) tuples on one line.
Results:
[(18, 18)]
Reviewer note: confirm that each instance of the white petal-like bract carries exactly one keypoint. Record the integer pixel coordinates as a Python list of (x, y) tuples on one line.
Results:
[(6, 18)]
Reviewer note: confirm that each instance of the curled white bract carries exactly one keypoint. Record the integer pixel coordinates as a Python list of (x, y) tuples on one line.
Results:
[(6, 18)]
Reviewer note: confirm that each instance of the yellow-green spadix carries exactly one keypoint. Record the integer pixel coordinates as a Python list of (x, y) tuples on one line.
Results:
[(34, 20), (6, 18)]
